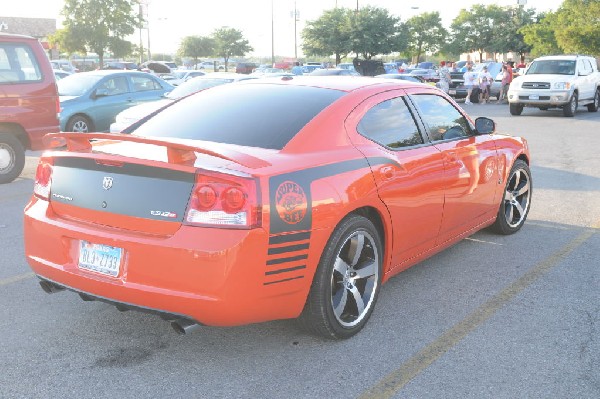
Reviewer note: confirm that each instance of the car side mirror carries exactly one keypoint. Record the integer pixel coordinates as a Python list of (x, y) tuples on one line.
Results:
[(485, 125), (100, 93)]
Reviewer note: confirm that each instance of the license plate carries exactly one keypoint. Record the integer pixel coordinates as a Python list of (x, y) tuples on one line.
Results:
[(451, 91), (534, 97), (100, 258)]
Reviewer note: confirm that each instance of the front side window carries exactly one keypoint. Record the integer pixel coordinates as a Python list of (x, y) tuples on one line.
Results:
[(115, 86), (443, 120), (391, 124)]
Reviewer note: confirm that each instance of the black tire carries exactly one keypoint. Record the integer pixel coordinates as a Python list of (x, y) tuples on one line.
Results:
[(12, 158), (593, 107), (79, 123), (515, 109), (571, 108), (347, 281), (516, 200)]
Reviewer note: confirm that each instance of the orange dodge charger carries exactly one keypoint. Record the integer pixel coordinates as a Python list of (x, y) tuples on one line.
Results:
[(271, 199)]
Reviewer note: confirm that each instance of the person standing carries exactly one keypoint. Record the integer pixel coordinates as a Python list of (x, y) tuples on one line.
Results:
[(506, 79), (469, 78), (485, 80), (445, 79), (297, 69)]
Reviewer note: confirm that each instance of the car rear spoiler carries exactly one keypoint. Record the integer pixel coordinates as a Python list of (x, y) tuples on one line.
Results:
[(177, 153)]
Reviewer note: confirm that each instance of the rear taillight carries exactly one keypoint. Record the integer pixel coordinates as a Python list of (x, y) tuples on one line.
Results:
[(43, 179), (224, 200)]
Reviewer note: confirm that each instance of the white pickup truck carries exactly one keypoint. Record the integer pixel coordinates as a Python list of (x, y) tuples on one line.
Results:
[(559, 81)]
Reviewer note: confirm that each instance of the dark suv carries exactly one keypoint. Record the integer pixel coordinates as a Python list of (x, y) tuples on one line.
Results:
[(29, 104)]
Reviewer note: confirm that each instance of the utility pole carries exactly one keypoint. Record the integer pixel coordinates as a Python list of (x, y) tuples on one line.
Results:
[(272, 36)]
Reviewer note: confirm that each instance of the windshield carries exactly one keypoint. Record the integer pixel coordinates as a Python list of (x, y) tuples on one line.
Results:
[(76, 85), (552, 67), (255, 115)]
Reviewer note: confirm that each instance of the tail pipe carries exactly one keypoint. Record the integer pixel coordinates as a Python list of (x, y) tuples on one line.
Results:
[(51, 288), (184, 326)]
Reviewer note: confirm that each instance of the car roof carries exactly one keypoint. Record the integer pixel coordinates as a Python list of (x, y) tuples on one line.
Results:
[(342, 83), (105, 72)]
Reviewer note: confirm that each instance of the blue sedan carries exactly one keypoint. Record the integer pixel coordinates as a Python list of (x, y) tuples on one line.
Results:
[(89, 101)]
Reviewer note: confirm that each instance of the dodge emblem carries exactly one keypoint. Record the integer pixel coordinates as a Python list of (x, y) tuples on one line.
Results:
[(107, 182)]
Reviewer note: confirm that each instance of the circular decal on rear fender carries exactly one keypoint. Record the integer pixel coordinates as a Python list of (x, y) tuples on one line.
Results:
[(291, 202)]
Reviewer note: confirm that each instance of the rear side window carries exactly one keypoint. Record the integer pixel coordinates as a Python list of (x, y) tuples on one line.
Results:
[(263, 115), (391, 124), (18, 64)]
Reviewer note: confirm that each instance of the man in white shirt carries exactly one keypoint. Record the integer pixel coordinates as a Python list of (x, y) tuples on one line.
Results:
[(470, 78)]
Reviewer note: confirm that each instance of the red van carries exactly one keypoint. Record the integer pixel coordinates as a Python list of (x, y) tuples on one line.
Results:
[(29, 104)]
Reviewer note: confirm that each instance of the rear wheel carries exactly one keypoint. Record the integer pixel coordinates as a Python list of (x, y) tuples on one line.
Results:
[(593, 107), (517, 200), (571, 108), (80, 124), (515, 109), (12, 158), (346, 284)]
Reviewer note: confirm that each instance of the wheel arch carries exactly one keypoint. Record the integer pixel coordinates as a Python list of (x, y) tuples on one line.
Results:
[(17, 131)]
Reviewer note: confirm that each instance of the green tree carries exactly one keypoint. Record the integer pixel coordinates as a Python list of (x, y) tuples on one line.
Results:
[(374, 31), (196, 47), (473, 30), (100, 24), (67, 43), (577, 26), (425, 33), (230, 42), (328, 35), (540, 35), (508, 32)]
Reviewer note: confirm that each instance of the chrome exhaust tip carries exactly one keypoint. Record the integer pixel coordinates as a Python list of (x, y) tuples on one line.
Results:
[(184, 326)]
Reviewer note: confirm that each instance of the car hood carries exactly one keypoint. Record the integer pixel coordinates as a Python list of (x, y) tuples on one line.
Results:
[(63, 99)]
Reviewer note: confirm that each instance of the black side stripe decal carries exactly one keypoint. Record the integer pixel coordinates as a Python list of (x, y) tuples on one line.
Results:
[(284, 280), (285, 260), (288, 248), (290, 269), (289, 238)]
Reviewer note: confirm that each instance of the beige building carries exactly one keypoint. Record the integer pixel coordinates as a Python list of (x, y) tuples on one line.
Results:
[(39, 28)]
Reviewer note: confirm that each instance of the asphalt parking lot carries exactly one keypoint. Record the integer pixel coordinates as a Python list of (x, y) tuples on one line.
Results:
[(492, 317)]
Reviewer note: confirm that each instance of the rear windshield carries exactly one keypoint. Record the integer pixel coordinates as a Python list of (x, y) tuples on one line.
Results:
[(264, 115)]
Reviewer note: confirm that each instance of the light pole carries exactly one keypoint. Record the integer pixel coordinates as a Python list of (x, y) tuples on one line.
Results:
[(272, 36), (296, 15)]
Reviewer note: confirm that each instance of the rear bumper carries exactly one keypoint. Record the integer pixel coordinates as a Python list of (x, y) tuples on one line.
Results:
[(215, 276)]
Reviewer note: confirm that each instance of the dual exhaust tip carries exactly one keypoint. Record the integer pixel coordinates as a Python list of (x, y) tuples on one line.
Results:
[(180, 325)]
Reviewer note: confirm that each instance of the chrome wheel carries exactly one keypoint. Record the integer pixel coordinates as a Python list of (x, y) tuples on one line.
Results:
[(347, 281), (79, 124), (516, 198), (516, 201), (355, 278)]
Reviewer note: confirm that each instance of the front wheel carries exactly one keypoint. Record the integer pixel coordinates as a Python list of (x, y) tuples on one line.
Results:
[(517, 200), (347, 281), (571, 108), (79, 124), (12, 158), (593, 107), (515, 109)]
